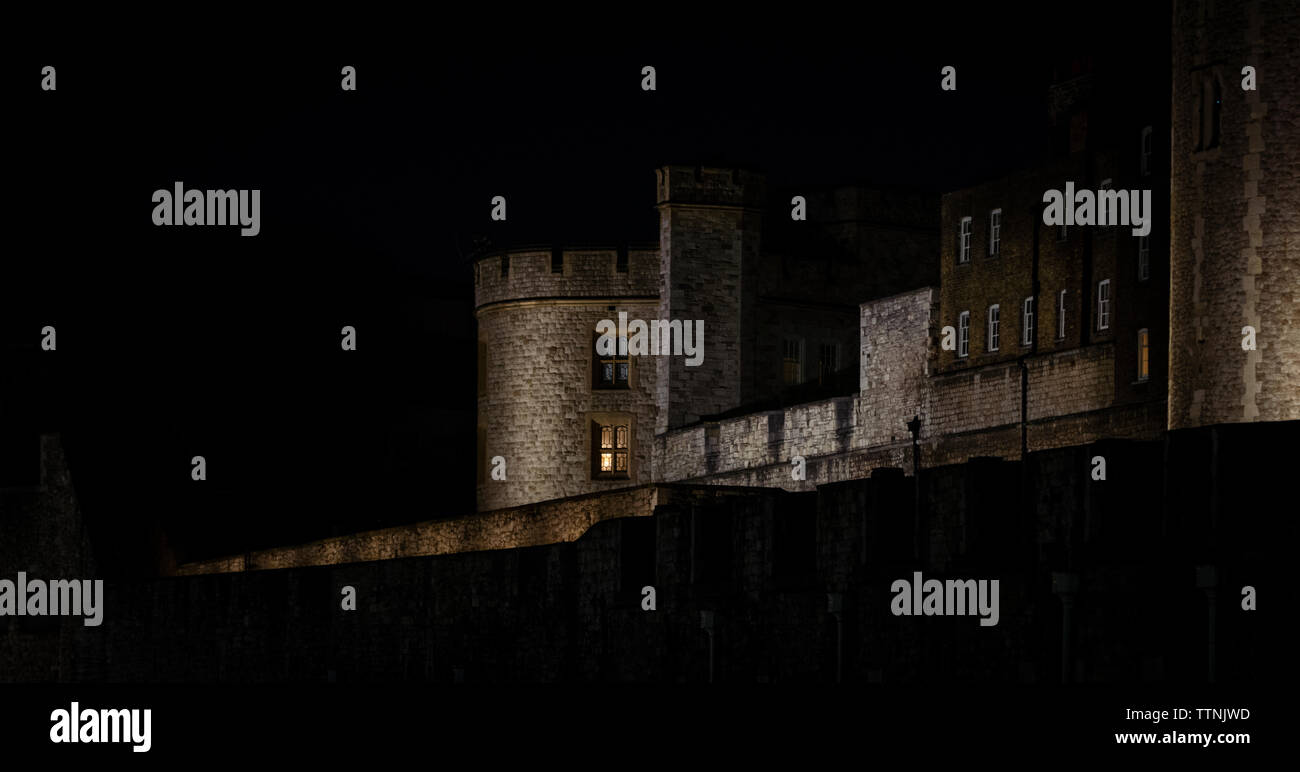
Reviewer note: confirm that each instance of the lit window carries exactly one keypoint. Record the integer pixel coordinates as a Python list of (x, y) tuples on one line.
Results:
[(1144, 258), (1144, 355), (963, 244), (1103, 305), (995, 312), (1028, 321), (792, 361), (1060, 315), (995, 232), (611, 450), (963, 334)]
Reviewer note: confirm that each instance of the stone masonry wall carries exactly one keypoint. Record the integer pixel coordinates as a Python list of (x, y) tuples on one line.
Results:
[(1071, 382), (1236, 214), (549, 522), (710, 231), (540, 400), (536, 335), (43, 534), (587, 273), (896, 340), (795, 588), (964, 414)]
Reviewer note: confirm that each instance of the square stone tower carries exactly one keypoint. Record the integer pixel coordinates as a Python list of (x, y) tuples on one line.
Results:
[(710, 226)]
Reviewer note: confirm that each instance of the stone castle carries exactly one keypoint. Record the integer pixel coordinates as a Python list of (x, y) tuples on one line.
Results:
[(1062, 335), (824, 340), (824, 337)]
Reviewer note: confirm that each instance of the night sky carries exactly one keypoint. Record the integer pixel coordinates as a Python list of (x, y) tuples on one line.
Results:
[(183, 341)]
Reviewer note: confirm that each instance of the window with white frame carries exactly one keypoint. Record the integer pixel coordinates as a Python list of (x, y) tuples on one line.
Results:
[(963, 241), (995, 232), (1027, 321), (1144, 258), (1060, 315), (1103, 304), (1144, 355), (995, 313), (963, 334)]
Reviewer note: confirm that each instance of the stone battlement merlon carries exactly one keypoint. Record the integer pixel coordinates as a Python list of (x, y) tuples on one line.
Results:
[(583, 272), (710, 186)]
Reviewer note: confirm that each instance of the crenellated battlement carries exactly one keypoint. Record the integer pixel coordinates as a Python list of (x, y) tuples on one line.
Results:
[(709, 186), (539, 272)]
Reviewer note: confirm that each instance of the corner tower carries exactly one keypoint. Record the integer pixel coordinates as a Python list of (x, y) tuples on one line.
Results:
[(1235, 230), (548, 404)]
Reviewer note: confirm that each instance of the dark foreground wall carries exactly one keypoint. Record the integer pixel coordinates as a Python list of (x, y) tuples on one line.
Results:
[(752, 585)]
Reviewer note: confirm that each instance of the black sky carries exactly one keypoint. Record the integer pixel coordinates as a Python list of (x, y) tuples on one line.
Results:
[(174, 342)]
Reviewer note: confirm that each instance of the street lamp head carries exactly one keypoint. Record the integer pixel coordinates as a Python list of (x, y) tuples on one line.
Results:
[(914, 426)]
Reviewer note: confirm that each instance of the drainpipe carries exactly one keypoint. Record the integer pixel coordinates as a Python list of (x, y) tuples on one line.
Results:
[(1033, 343), (1027, 513)]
